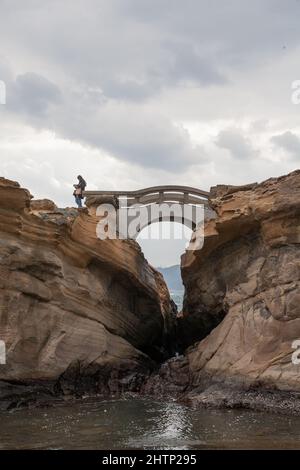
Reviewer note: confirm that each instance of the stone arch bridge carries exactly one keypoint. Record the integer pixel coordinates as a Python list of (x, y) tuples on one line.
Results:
[(158, 194), (170, 195)]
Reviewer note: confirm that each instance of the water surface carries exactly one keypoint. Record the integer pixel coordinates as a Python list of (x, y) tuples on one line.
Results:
[(144, 424)]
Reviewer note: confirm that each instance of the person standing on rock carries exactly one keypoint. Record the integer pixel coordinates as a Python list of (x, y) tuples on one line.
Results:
[(79, 189)]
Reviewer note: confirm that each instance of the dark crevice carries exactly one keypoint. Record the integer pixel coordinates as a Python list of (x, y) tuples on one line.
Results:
[(192, 326), (196, 326)]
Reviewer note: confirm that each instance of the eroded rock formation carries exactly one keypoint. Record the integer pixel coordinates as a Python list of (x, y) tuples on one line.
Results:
[(83, 314), (242, 302), (76, 312), (246, 280)]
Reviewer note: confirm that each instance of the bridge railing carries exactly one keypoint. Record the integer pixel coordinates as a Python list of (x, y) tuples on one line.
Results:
[(158, 194)]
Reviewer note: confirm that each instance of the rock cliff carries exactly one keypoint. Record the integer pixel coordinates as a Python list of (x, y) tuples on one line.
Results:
[(79, 314), (242, 301), (76, 313)]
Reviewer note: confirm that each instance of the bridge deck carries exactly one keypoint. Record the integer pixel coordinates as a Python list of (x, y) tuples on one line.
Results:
[(158, 194)]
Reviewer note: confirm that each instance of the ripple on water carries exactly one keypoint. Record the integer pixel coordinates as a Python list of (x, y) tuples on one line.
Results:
[(144, 424)]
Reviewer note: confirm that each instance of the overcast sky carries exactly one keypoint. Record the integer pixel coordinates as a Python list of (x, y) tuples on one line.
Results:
[(134, 93)]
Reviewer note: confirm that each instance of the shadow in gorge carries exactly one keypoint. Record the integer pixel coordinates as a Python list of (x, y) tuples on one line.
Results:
[(163, 243), (195, 326)]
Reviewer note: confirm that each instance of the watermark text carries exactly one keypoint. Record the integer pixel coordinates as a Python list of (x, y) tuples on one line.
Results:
[(295, 97), (128, 221), (2, 92), (2, 353)]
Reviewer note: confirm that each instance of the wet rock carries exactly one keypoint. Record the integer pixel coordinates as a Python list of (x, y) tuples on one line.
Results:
[(170, 380), (256, 400)]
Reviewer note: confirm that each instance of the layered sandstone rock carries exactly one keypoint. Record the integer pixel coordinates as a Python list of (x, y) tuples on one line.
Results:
[(75, 310), (243, 290), (242, 303)]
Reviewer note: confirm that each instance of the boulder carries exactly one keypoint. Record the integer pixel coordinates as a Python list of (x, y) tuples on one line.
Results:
[(42, 205)]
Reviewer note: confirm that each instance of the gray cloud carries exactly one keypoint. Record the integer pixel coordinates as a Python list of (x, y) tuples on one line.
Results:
[(179, 64), (239, 146), (188, 64), (289, 142), (120, 75), (232, 33), (126, 131), (135, 48), (104, 47), (132, 134), (33, 95)]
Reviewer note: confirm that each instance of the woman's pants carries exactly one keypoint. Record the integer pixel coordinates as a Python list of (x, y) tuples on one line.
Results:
[(78, 201)]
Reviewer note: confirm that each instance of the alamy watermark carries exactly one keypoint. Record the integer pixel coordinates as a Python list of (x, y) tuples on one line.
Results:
[(295, 97), (2, 353), (127, 222), (2, 92), (296, 353)]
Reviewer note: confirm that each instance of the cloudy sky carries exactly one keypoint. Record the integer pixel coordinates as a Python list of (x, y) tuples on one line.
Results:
[(135, 93)]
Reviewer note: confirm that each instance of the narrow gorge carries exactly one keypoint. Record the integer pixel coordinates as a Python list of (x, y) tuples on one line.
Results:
[(80, 315)]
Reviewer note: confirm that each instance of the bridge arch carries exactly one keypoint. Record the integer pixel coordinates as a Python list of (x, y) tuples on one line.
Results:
[(169, 195)]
